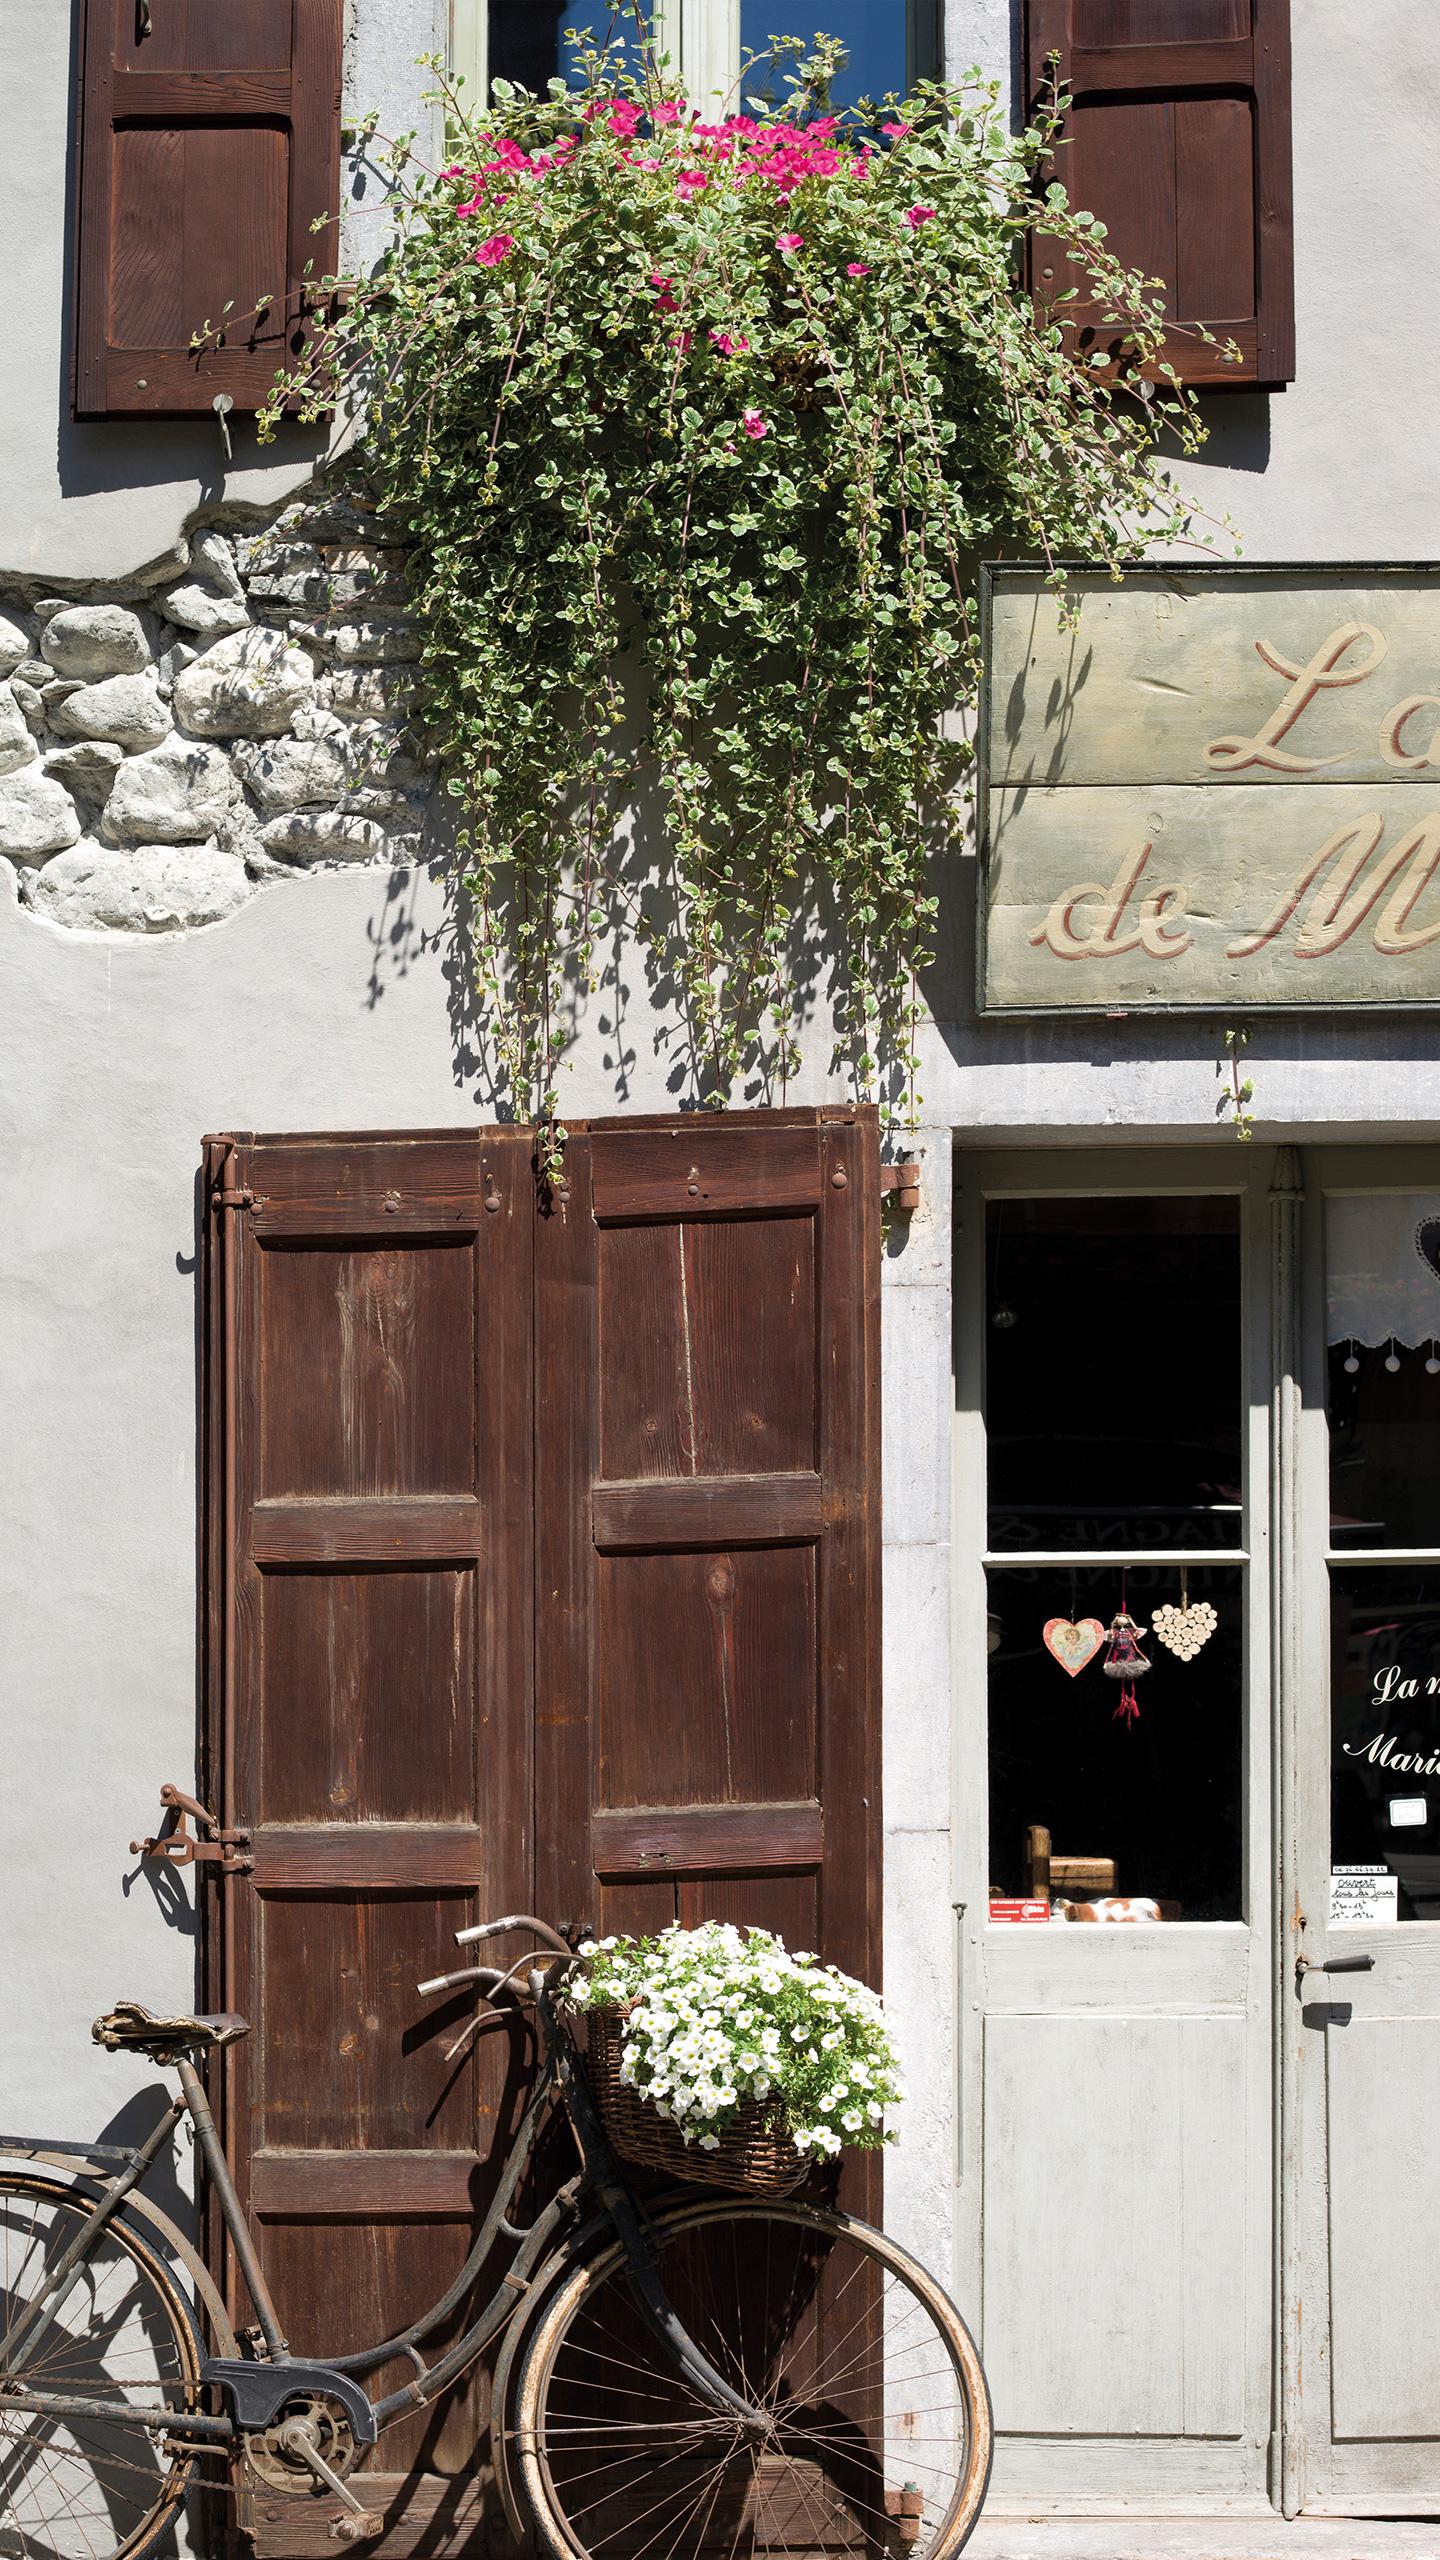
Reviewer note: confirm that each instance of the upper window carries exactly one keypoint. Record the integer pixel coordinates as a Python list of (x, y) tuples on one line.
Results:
[(889, 43)]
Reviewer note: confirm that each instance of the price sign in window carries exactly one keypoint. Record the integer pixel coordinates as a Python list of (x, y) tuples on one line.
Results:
[(1385, 1743)]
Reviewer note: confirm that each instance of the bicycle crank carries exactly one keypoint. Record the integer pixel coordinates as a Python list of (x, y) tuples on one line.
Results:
[(306, 2453)]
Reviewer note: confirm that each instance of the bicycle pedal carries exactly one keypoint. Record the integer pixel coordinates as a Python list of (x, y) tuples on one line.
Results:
[(360, 2528)]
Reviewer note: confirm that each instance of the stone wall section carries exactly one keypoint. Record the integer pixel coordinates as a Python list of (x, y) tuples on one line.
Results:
[(168, 747)]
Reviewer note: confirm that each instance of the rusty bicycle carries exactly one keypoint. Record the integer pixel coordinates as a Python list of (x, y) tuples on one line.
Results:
[(676, 2374)]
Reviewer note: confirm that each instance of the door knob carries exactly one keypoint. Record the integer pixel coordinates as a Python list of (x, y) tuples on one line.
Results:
[(1334, 1964)]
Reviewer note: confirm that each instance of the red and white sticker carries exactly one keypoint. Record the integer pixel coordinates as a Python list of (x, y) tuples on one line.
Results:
[(1013, 1907)]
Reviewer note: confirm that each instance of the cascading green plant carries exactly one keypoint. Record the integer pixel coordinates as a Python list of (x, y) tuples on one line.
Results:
[(697, 429)]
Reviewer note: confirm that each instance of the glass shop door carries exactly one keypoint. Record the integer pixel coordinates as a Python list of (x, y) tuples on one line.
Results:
[(1360, 1987), (1116, 1858)]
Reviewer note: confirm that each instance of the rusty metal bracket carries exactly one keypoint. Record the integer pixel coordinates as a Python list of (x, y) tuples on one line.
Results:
[(901, 1184), (208, 1845)]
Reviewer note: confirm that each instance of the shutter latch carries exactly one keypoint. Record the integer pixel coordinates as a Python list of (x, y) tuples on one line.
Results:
[(900, 1184), (229, 1199), (181, 1847)]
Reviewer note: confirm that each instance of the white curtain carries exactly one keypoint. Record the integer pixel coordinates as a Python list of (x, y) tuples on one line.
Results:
[(1382, 1279)]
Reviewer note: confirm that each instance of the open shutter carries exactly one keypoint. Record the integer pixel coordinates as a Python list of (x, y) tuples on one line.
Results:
[(707, 1713), (209, 145), (1178, 139), (369, 1667)]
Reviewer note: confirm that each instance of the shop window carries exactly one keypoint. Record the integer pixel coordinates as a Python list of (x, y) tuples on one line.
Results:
[(1383, 1332), (1113, 1409)]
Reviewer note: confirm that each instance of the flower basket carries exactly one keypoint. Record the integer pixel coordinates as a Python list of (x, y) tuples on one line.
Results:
[(754, 2153)]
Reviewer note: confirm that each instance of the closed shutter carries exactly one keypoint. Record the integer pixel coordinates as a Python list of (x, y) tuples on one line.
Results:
[(370, 1682), (1178, 139), (209, 137), (707, 1742)]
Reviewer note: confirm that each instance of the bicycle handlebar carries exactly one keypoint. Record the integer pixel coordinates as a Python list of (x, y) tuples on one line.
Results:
[(514, 1920)]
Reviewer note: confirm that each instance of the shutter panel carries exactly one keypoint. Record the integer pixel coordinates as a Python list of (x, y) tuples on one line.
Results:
[(370, 1707), (209, 144), (707, 1726), (1178, 138)]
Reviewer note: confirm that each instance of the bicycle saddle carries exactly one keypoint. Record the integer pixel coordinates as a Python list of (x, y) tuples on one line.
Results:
[(129, 2028)]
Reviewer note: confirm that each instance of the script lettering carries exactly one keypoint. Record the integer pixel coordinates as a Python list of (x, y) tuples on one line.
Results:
[(1102, 938), (1321, 674)]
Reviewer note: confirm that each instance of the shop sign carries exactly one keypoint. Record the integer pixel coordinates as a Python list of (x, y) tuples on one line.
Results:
[(1211, 791), (1362, 1896)]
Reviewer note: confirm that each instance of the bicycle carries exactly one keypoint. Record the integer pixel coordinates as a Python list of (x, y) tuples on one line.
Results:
[(681, 2374)]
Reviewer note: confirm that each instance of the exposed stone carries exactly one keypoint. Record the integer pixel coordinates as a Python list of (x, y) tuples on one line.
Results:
[(45, 607), (390, 753), (178, 794), (87, 769), (391, 808), (148, 888), (368, 693), (374, 644), (200, 609), (172, 664), (30, 703), (37, 816), (34, 671), (296, 773), (214, 557), (17, 747), (125, 708), (249, 685), (366, 575), (337, 518), (323, 835), (14, 645), (90, 640), (290, 573)]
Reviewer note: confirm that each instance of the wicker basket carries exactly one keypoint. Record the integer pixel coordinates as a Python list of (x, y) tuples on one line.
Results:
[(756, 2153)]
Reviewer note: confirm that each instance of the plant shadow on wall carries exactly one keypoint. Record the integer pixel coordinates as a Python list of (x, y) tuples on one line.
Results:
[(694, 432)]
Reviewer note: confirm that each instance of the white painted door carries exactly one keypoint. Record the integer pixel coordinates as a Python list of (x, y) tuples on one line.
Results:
[(1360, 1992), (1116, 2170)]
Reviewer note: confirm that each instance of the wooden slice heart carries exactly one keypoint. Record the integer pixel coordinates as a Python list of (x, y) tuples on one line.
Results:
[(1184, 1630), (1073, 1641)]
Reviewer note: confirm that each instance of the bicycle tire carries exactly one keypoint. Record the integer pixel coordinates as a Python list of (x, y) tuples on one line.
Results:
[(619, 2454), (69, 2491)]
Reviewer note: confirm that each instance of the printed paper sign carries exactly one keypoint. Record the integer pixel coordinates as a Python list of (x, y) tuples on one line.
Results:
[(1361, 1896), (1013, 1907)]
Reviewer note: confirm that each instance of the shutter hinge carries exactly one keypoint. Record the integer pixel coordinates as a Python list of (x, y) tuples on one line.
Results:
[(900, 1184), (228, 1199), (210, 1844)]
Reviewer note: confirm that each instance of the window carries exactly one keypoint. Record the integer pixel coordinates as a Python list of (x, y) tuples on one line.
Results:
[(1114, 1412), (891, 43)]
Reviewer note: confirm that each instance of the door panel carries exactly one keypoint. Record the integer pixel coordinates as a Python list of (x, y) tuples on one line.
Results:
[(1383, 2096)]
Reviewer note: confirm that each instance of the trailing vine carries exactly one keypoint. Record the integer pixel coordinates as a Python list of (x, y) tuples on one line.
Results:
[(697, 432)]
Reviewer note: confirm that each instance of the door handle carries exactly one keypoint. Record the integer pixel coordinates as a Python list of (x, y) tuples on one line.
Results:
[(1334, 1964)]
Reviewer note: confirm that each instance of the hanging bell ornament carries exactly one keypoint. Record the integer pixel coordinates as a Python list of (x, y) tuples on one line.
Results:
[(1126, 1662)]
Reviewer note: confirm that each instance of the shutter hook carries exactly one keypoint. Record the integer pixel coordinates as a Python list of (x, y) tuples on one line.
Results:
[(222, 403), (143, 27)]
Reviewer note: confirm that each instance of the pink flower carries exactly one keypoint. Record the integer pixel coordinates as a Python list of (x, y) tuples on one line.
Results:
[(857, 267), (669, 111), (918, 213), (491, 251), (790, 240), (664, 298), (684, 342), (691, 182), (895, 131), (726, 345), (624, 117), (754, 425)]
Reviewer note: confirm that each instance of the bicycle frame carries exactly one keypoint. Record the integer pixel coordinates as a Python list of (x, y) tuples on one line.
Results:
[(255, 2390)]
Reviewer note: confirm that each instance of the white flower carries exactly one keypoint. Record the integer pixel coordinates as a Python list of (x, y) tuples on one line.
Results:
[(852, 2120), (827, 2103), (798, 2034)]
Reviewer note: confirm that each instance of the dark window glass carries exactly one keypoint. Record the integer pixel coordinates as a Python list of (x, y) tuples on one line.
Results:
[(1113, 1373), (1385, 1742), (889, 44), (527, 37), (1153, 1802), (1382, 1305)]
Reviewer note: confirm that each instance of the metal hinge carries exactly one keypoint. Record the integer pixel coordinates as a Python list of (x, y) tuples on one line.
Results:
[(181, 1847), (224, 1199), (901, 1183)]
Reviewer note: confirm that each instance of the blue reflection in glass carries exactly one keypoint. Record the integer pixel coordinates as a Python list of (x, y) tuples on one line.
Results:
[(527, 37), (877, 36)]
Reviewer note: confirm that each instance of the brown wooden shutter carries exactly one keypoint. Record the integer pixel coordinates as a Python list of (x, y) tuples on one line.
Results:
[(369, 1661), (1178, 138), (707, 1713), (209, 137)]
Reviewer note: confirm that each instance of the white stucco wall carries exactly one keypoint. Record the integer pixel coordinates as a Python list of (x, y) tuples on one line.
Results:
[(324, 1004)]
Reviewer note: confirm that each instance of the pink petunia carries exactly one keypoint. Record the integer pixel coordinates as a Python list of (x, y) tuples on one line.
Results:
[(726, 345), (754, 425), (683, 342), (917, 213), (624, 117), (896, 132), (790, 240), (491, 251), (691, 182), (669, 111), (857, 267)]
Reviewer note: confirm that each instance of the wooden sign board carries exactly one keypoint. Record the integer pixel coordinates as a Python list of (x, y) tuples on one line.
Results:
[(1211, 790)]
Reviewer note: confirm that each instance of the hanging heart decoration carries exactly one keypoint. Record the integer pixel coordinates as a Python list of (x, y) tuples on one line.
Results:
[(1073, 1641), (1184, 1630)]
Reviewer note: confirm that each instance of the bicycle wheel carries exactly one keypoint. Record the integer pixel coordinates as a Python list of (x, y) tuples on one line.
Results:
[(88, 2488), (879, 2420)]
